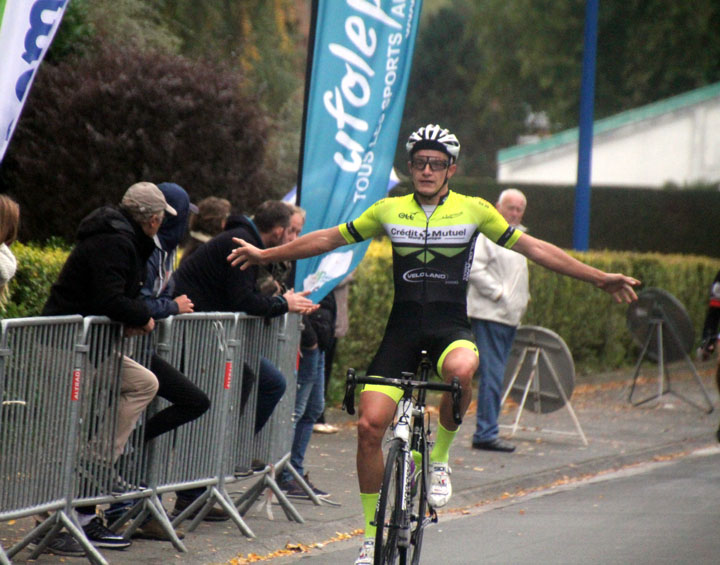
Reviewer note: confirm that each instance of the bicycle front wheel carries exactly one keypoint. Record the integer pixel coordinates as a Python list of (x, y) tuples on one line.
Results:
[(390, 517), (419, 508)]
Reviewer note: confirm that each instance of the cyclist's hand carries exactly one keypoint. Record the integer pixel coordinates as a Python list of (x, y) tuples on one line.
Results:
[(245, 255), (620, 286), (297, 302)]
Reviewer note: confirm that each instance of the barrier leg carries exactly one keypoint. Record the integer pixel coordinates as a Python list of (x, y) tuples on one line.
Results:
[(244, 503), (223, 499), (155, 508)]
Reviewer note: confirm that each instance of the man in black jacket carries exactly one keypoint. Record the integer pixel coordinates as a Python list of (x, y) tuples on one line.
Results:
[(215, 286), (102, 277)]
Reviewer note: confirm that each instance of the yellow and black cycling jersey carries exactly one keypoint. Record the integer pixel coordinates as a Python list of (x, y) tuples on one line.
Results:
[(431, 256)]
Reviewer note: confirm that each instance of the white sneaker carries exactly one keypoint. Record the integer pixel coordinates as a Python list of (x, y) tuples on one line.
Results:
[(325, 429), (440, 487), (367, 552)]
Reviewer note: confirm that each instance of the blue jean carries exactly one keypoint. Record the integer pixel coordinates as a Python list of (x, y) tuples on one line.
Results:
[(309, 404), (271, 387), (494, 341)]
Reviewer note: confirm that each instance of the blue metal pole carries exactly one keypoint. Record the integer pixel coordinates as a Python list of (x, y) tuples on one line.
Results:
[(581, 228)]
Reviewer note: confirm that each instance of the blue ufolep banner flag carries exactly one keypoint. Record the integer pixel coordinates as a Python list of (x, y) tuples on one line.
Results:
[(360, 69), (27, 28)]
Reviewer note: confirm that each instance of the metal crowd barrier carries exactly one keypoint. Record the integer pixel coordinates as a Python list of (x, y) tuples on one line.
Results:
[(59, 385), (278, 340), (41, 389)]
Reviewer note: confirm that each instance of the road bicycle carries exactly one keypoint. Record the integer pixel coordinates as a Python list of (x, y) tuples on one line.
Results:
[(402, 511)]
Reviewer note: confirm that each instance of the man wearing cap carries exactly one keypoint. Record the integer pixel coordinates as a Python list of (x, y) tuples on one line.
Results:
[(103, 276)]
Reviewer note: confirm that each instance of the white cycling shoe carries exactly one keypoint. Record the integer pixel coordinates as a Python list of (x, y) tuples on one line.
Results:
[(367, 552), (440, 487)]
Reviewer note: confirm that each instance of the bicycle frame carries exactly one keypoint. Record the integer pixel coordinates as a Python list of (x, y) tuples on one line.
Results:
[(409, 433)]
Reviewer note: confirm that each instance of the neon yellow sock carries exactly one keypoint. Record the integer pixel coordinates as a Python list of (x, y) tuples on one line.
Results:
[(369, 502), (441, 450)]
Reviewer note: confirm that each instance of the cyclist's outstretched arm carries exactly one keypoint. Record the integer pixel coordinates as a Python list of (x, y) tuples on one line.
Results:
[(552, 257), (308, 245)]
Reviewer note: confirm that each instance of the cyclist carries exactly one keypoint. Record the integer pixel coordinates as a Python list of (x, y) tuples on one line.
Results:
[(433, 232)]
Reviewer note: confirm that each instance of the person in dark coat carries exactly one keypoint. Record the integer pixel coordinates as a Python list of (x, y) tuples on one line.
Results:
[(188, 402), (215, 286), (102, 277)]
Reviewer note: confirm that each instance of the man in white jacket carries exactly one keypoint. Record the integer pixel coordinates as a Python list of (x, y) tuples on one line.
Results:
[(497, 297)]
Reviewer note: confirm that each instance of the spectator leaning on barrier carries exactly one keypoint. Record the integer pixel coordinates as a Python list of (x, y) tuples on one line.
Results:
[(214, 286), (102, 277), (188, 402), (710, 329), (498, 293)]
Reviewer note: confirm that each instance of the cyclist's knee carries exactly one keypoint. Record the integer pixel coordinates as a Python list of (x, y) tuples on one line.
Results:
[(370, 431), (461, 366)]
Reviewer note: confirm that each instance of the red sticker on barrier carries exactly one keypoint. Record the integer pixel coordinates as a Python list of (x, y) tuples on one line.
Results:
[(75, 392), (228, 374)]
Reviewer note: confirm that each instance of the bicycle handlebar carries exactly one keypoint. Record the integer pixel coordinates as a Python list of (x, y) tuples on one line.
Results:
[(406, 384)]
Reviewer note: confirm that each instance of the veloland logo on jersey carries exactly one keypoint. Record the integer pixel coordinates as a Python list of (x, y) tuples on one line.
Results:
[(419, 275)]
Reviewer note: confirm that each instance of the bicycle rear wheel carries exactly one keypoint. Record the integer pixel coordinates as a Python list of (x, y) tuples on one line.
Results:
[(389, 516)]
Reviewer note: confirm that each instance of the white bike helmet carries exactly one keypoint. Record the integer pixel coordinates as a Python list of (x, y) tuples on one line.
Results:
[(433, 136)]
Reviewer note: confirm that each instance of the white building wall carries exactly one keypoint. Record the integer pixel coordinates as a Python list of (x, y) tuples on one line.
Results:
[(682, 146)]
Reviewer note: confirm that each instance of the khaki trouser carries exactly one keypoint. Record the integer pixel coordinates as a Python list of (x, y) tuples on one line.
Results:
[(138, 386)]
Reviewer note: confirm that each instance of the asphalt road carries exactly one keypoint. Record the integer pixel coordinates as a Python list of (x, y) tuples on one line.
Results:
[(665, 512)]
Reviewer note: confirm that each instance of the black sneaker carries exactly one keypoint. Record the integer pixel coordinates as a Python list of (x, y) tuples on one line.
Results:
[(258, 465), (242, 471), (315, 490), (62, 544), (292, 489), (100, 536), (213, 515)]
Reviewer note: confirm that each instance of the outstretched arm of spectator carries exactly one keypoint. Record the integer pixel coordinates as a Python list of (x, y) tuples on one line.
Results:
[(552, 257), (309, 245)]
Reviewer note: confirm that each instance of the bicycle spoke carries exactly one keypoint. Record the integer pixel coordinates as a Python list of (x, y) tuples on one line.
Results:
[(389, 514)]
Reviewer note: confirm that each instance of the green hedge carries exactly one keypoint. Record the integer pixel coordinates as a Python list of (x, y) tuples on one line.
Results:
[(38, 268), (590, 322), (592, 325)]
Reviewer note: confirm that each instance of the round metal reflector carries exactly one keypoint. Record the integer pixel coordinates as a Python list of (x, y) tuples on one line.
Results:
[(655, 306), (543, 351)]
